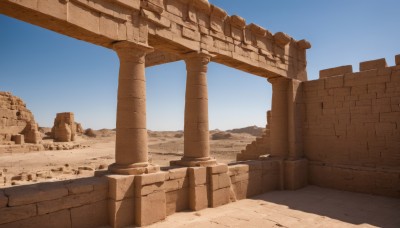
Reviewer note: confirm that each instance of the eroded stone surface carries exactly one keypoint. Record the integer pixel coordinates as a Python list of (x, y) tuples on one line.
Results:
[(65, 128), (16, 119)]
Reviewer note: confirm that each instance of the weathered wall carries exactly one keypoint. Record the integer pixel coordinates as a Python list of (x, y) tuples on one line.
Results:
[(64, 128), (260, 147), (15, 119), (122, 200), (352, 128), (176, 189), (78, 203)]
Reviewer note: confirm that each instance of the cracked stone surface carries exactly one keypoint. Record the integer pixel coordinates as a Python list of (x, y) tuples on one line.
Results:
[(309, 207)]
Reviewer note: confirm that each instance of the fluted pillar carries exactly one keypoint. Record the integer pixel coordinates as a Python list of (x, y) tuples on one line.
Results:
[(279, 117), (131, 153), (196, 132)]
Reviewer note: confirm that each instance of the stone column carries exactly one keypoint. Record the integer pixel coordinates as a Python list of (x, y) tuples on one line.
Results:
[(131, 155), (295, 125), (196, 132), (279, 117)]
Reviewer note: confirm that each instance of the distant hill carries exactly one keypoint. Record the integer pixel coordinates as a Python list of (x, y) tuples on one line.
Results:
[(252, 130)]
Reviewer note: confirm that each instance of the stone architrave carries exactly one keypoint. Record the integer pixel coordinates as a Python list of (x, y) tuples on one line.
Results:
[(131, 152)]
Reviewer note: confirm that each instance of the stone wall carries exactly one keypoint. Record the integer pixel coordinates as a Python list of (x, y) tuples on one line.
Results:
[(352, 128), (78, 203), (123, 200), (16, 119), (177, 189)]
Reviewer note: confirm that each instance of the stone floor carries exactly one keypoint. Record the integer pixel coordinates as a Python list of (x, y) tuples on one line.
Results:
[(309, 207)]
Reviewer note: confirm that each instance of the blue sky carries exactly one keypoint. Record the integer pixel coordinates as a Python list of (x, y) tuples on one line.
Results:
[(54, 73)]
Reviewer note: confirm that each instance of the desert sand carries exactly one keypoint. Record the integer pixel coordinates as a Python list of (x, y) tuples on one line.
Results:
[(20, 164)]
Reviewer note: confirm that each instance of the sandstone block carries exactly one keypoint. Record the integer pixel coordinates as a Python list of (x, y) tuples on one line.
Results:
[(255, 165), (146, 179), (198, 198), (240, 188), (60, 219), (31, 194), (79, 186), (219, 197), (270, 166), (99, 183), (341, 70), (254, 183), (197, 176), (334, 82), (152, 188), (240, 177), (64, 129), (120, 186), (176, 184), (220, 181), (397, 60), (270, 182), (177, 200), (11, 214), (373, 64), (91, 215), (220, 168), (237, 169), (3, 199), (296, 174), (150, 209), (19, 139), (121, 213), (70, 201), (177, 173)]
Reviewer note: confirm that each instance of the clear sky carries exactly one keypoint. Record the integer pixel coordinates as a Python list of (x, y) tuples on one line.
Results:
[(54, 73)]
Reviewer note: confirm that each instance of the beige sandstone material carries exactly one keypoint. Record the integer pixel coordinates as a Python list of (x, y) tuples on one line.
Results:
[(64, 129), (340, 131)]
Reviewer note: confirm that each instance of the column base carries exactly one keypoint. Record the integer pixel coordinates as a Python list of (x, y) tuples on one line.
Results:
[(133, 169), (194, 162)]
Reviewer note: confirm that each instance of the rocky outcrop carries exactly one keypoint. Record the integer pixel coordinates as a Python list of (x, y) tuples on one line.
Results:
[(65, 128), (252, 130), (16, 119), (221, 135)]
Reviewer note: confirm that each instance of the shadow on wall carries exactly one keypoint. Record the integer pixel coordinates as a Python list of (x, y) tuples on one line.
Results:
[(354, 208)]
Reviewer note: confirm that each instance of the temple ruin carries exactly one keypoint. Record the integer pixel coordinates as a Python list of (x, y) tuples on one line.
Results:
[(340, 131)]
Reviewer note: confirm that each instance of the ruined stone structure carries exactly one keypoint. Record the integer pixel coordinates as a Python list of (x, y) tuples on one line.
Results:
[(259, 148), (16, 119), (65, 129), (349, 113)]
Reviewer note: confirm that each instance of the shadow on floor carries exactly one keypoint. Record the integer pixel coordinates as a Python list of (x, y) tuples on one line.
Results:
[(354, 208)]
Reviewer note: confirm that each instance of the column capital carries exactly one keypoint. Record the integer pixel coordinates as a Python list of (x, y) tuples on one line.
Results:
[(278, 80), (197, 61), (128, 50)]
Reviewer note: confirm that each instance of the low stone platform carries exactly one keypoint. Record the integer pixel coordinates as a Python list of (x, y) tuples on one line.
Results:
[(308, 207)]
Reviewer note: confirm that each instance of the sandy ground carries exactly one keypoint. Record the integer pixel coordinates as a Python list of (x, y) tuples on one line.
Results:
[(17, 168), (308, 207)]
